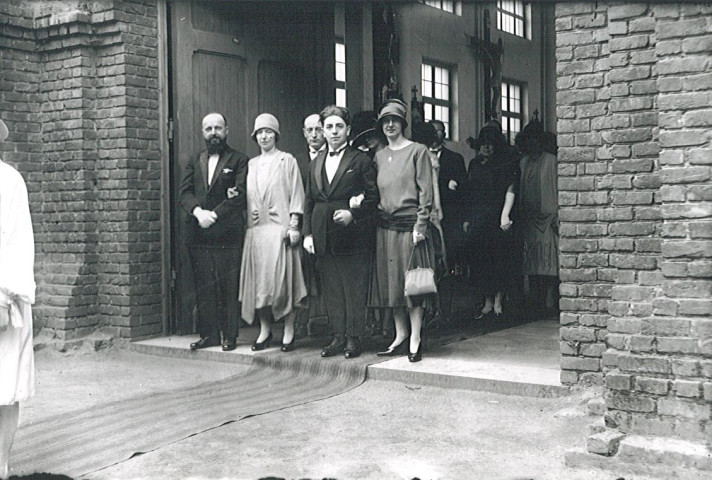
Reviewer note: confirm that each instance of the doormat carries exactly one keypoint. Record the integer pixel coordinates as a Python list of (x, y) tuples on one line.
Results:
[(84, 441)]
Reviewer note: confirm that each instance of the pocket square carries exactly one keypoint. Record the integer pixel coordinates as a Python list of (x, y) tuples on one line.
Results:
[(349, 171), (226, 170)]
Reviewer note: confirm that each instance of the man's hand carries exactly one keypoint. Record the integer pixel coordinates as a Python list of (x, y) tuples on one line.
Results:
[(343, 217), (309, 244), (206, 218), (466, 227), (452, 185), (232, 192)]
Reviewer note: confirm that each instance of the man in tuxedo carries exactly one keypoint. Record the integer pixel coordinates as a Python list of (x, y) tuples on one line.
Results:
[(314, 135), (215, 232), (451, 182), (341, 200)]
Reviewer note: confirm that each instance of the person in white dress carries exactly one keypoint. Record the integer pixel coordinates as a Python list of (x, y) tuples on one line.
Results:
[(17, 294)]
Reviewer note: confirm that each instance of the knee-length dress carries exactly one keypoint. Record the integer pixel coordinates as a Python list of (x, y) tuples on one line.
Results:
[(271, 271), (17, 282), (406, 195), (538, 214), (490, 249)]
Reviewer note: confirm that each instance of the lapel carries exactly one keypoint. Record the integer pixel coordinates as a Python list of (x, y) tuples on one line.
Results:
[(222, 160), (204, 168), (343, 166), (318, 170)]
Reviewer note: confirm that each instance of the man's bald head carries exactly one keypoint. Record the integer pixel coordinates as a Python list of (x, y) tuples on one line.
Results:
[(313, 132), (215, 132)]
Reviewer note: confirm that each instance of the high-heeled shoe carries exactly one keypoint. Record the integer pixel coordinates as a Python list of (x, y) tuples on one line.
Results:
[(288, 347), (399, 349), (418, 355), (257, 346)]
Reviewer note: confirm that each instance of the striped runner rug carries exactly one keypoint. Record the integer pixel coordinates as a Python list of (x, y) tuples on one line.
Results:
[(88, 440)]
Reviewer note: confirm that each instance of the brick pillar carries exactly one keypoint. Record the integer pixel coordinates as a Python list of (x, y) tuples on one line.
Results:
[(646, 243), (81, 98)]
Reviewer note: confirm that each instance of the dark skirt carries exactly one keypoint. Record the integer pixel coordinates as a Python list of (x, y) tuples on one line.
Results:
[(393, 252)]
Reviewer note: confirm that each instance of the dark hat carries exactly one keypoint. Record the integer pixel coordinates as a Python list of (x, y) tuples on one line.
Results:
[(362, 125), (393, 108)]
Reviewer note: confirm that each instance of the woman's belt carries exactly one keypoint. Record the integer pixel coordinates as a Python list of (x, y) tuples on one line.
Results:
[(398, 223)]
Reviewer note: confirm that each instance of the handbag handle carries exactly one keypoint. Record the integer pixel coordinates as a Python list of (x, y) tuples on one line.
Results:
[(411, 256)]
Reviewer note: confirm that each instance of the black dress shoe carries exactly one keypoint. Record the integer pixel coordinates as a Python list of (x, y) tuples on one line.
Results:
[(229, 344), (257, 346), (204, 342), (353, 347), (399, 349), (335, 347), (288, 347), (418, 355)]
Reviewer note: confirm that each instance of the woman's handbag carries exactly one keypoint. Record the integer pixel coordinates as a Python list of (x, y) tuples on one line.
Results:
[(421, 280)]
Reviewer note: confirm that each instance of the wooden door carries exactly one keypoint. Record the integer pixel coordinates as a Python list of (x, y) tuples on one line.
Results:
[(209, 75), (240, 59)]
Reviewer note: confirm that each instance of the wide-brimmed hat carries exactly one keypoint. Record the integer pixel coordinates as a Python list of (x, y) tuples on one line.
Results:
[(3, 131), (363, 124), (265, 120), (393, 108)]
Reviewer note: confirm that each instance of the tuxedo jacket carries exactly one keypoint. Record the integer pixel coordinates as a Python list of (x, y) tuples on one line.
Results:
[(231, 171), (356, 174), (452, 167)]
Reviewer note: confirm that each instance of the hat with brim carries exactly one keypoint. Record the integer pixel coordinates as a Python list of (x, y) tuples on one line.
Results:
[(362, 126), (265, 120), (3, 131), (393, 108)]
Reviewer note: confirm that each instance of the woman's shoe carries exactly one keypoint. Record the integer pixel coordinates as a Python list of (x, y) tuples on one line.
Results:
[(288, 347), (418, 355), (399, 349), (257, 346)]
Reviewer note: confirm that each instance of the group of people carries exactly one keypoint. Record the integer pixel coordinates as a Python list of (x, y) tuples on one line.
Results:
[(339, 226)]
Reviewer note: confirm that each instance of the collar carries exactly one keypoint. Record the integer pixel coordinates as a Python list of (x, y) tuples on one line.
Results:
[(314, 152)]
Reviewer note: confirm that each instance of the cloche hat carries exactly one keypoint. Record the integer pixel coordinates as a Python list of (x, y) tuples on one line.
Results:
[(265, 120), (393, 108)]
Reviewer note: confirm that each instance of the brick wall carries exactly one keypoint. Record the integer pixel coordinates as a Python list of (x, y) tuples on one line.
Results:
[(80, 95), (634, 96)]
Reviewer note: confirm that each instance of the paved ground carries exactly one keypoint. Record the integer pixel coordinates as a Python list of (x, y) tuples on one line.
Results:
[(380, 430)]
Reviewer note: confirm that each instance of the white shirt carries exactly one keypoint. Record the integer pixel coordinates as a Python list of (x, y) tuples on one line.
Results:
[(212, 163), (332, 163), (313, 153)]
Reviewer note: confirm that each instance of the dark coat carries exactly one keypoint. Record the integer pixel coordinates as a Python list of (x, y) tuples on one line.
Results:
[(231, 171), (303, 161), (356, 174), (453, 202)]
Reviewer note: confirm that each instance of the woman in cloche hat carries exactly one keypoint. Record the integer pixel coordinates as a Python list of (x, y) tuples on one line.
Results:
[(405, 185), (271, 280)]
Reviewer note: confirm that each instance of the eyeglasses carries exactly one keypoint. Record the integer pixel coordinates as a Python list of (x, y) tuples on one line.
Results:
[(313, 130)]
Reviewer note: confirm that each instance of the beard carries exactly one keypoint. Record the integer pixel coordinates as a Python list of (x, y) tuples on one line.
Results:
[(215, 144)]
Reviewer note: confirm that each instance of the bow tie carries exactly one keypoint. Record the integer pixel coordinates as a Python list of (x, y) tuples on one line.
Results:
[(436, 150), (335, 153)]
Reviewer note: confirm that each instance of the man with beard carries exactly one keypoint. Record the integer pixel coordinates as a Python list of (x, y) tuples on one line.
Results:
[(215, 232)]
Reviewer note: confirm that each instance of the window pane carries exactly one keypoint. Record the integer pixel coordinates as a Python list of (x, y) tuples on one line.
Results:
[(448, 6), (427, 89), (340, 53), (427, 73), (519, 8), (341, 97), (340, 72)]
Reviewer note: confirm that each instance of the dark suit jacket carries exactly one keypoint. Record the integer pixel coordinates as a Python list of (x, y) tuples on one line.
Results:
[(356, 174), (452, 167), (231, 171), (303, 161)]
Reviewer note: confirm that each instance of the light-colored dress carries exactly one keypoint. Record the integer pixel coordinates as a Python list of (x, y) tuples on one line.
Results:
[(538, 215), (17, 256), (271, 272), (405, 185)]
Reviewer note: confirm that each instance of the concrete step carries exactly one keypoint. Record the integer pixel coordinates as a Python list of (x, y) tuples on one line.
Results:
[(524, 361)]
